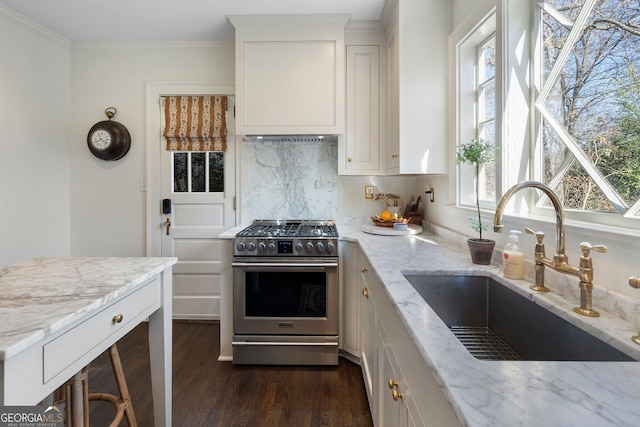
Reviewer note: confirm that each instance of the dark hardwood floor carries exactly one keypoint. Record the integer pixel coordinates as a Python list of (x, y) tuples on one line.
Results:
[(211, 393)]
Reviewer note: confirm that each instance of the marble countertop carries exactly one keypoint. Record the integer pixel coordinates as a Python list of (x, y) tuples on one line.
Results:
[(39, 297), (510, 393)]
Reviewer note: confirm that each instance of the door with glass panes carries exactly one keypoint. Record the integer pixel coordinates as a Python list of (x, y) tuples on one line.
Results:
[(199, 187)]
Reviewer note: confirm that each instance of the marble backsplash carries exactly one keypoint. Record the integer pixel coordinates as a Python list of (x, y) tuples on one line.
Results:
[(289, 180)]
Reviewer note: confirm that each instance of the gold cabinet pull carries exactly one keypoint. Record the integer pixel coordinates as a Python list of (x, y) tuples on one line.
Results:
[(365, 292), (117, 318), (364, 270), (397, 395), (394, 156), (392, 383), (349, 159)]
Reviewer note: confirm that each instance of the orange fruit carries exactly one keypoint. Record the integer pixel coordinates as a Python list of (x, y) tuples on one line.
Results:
[(386, 215)]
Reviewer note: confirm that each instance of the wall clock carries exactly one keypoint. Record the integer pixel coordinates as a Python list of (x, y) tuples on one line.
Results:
[(109, 140)]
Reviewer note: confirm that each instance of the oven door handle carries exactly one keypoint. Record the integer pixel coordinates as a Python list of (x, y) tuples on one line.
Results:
[(285, 343), (285, 265)]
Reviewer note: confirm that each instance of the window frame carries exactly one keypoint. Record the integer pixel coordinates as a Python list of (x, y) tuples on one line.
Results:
[(624, 220), (467, 97)]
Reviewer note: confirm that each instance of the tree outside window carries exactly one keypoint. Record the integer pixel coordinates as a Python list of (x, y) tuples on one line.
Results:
[(589, 104)]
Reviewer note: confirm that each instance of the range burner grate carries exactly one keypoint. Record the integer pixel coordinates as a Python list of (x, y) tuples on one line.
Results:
[(484, 344)]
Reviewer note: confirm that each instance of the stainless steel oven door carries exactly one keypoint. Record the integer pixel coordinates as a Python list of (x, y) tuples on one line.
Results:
[(285, 297)]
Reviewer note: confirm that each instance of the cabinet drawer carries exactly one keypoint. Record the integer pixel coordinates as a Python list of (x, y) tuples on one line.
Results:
[(65, 350)]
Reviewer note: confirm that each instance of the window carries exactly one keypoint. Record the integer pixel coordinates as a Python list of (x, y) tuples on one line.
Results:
[(476, 101), (198, 171), (588, 106), (486, 110)]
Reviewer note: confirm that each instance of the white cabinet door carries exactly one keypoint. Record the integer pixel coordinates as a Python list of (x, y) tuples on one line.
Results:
[(368, 336), (417, 58), (389, 385), (360, 154), (350, 316), (289, 74)]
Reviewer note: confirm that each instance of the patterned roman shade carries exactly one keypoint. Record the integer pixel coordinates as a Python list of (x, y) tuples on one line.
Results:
[(195, 123)]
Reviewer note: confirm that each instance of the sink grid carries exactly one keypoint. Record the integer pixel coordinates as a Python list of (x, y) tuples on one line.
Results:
[(484, 344)]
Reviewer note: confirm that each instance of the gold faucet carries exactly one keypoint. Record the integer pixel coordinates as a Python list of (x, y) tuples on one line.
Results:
[(560, 261)]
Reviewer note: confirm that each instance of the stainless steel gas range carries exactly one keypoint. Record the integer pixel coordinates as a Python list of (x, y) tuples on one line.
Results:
[(285, 293)]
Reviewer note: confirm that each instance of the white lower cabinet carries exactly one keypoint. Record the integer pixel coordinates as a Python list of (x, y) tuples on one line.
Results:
[(401, 388), (350, 294), (368, 327)]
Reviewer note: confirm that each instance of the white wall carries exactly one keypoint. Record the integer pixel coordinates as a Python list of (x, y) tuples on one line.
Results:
[(107, 204), (34, 155)]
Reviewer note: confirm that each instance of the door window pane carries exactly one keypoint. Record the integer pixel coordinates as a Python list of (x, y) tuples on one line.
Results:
[(180, 178), (216, 172), (198, 173)]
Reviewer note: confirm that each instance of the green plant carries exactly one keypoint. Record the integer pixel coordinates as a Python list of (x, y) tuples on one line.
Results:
[(476, 153)]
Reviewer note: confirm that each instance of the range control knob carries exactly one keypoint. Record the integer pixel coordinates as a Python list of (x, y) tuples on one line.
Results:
[(309, 247), (251, 247), (272, 247), (241, 246), (330, 247), (299, 247), (261, 247), (320, 247)]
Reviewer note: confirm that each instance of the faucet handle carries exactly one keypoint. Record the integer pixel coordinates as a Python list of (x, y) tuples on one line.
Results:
[(539, 234), (586, 247)]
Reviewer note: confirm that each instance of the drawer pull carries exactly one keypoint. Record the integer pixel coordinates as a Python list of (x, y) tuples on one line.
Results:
[(117, 318), (365, 292), (392, 383), (397, 395)]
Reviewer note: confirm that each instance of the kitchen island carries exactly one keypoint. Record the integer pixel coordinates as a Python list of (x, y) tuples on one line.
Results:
[(508, 393), (58, 314)]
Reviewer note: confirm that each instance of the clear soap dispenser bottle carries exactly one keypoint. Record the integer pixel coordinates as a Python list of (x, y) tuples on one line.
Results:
[(512, 258)]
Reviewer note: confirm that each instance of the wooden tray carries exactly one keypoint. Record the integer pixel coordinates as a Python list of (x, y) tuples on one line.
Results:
[(386, 222)]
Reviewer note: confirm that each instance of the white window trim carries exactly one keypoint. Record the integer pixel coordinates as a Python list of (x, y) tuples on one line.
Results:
[(477, 28)]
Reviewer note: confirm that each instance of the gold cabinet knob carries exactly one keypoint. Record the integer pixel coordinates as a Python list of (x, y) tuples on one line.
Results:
[(365, 292), (392, 383), (634, 282), (397, 395), (394, 156), (117, 318), (349, 159), (364, 270)]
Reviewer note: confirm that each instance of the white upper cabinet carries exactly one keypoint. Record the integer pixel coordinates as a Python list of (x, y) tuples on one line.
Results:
[(416, 54), (290, 74), (361, 154)]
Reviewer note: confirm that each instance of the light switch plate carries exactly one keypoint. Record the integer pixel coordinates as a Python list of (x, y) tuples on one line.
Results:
[(368, 192)]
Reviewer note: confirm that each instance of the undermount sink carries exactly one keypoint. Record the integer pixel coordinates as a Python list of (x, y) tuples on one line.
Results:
[(495, 323)]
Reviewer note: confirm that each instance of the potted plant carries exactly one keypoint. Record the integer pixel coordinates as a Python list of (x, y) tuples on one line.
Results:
[(476, 153)]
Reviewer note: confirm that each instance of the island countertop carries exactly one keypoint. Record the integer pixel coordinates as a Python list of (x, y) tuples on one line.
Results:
[(509, 393), (43, 295)]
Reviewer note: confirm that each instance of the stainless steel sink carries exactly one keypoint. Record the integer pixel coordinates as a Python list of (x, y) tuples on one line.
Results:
[(496, 323)]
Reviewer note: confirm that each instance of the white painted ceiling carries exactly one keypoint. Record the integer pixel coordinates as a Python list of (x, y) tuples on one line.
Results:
[(169, 20)]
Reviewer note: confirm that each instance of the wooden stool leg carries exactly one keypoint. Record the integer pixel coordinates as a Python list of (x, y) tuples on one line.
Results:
[(118, 372)]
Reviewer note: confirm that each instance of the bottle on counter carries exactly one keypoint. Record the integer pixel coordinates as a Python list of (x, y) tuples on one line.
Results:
[(512, 258)]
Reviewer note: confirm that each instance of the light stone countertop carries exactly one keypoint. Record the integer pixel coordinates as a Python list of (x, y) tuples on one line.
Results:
[(510, 393), (39, 297)]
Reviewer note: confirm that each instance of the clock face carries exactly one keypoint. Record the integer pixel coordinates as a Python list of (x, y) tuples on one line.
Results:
[(101, 139)]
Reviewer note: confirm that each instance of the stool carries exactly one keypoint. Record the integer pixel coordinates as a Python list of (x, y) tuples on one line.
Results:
[(75, 393)]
